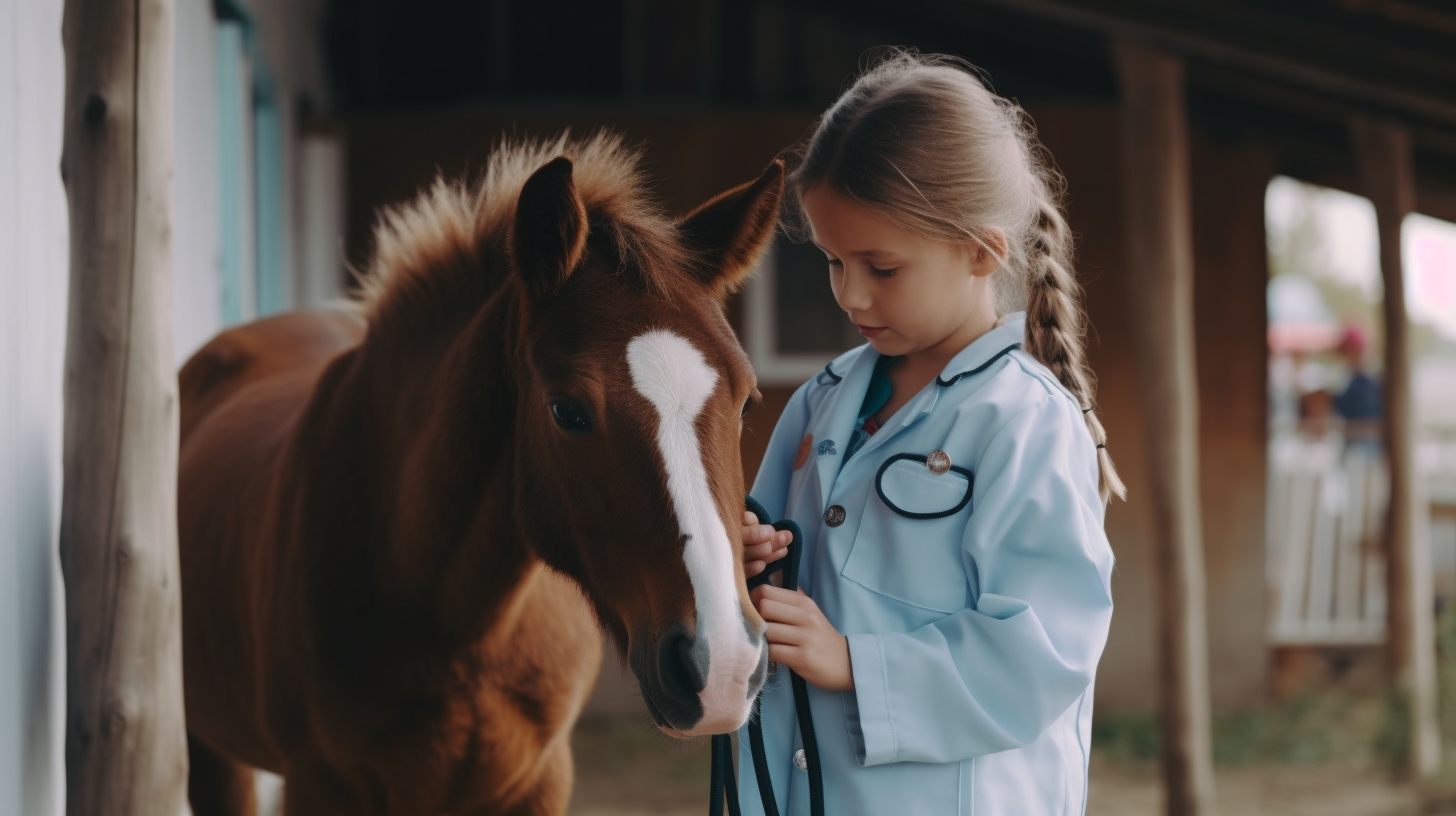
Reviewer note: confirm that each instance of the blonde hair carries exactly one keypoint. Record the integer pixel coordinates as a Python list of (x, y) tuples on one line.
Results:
[(919, 139)]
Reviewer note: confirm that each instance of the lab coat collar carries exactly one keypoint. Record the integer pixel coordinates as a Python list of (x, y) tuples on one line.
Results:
[(971, 360), (985, 350), (849, 377)]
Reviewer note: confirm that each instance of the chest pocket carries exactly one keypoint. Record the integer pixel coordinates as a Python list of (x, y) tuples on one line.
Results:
[(908, 546)]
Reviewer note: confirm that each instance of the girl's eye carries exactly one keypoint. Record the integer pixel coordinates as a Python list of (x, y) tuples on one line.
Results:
[(570, 416), (883, 273)]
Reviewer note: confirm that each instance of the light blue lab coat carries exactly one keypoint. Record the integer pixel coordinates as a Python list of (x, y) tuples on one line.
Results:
[(974, 628)]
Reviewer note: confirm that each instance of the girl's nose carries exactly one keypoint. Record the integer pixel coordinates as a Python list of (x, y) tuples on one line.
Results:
[(852, 293)]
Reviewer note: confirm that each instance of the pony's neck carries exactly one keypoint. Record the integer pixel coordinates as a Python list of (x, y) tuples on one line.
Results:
[(451, 544), (416, 551)]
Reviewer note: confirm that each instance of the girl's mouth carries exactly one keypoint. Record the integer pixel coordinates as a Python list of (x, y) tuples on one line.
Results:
[(869, 331)]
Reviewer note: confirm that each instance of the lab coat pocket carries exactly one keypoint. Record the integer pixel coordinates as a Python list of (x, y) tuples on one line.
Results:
[(908, 545), (909, 487)]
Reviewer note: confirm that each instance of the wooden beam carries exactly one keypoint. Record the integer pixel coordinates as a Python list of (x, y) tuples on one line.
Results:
[(1384, 153), (1160, 251), (1406, 13), (126, 750), (1124, 29), (1307, 103)]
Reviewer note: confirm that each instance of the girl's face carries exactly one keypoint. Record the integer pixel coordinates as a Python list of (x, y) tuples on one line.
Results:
[(920, 299)]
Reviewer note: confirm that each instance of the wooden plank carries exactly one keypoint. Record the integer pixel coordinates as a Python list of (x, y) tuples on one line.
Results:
[(1276, 481), (1289, 625), (1384, 153), (1443, 547), (1352, 524), (1160, 242), (1318, 611), (125, 743)]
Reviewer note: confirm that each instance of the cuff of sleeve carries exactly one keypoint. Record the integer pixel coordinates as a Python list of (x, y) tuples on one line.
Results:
[(867, 706)]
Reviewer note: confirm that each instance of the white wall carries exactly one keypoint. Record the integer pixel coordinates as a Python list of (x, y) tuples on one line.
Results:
[(33, 274), (196, 251)]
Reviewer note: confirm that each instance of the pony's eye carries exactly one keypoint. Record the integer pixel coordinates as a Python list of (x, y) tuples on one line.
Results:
[(570, 417), (748, 403)]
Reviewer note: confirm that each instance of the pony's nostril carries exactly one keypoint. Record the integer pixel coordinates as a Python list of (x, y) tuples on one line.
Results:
[(684, 662)]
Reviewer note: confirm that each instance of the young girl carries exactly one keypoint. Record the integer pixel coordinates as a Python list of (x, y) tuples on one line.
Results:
[(950, 476)]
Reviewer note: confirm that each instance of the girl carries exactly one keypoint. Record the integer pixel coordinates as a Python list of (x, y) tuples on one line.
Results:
[(950, 476)]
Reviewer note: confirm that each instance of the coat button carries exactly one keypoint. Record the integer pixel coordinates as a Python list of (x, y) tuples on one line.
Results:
[(834, 516), (938, 462), (800, 760)]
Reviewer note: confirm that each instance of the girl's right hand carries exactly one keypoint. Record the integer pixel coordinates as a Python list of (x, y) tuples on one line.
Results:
[(762, 545)]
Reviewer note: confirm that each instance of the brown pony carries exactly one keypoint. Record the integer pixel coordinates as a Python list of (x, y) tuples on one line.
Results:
[(397, 528)]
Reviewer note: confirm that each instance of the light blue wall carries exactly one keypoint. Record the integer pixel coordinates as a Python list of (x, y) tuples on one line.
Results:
[(235, 177)]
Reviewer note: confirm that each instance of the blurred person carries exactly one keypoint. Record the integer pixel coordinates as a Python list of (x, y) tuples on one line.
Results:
[(950, 476), (1316, 406), (1359, 402)]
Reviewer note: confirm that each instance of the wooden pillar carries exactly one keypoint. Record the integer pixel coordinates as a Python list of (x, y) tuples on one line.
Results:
[(1384, 152), (126, 749), (1160, 249)]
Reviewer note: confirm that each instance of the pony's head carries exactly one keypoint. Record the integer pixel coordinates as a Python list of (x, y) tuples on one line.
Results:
[(630, 399)]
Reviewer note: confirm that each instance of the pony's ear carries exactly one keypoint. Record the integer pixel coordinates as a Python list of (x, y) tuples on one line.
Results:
[(733, 228), (549, 234)]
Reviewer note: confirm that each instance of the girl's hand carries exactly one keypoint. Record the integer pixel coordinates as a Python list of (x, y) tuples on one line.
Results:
[(762, 545), (800, 637)]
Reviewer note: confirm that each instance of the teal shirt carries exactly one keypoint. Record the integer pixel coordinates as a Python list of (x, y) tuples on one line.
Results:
[(976, 602)]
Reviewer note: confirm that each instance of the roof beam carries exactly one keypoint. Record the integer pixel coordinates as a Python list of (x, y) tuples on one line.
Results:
[(1374, 94)]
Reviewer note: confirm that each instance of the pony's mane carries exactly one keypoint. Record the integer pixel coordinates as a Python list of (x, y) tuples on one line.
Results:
[(449, 242)]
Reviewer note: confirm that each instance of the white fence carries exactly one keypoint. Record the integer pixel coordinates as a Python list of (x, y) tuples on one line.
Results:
[(1327, 501)]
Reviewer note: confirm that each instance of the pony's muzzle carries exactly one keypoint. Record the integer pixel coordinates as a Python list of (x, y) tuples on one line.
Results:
[(683, 664), (685, 696), (678, 674)]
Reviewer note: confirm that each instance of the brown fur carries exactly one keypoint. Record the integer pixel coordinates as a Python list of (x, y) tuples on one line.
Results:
[(391, 557)]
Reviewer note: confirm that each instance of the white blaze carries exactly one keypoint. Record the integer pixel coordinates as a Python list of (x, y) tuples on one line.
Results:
[(676, 379)]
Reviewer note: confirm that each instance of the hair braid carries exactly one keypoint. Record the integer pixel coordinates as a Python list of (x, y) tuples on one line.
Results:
[(1055, 325)]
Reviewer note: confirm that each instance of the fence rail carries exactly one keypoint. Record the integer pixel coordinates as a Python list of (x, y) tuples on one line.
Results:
[(1327, 499)]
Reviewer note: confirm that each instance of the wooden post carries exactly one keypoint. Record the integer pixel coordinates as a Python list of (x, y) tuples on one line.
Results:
[(1384, 152), (1160, 250), (126, 750)]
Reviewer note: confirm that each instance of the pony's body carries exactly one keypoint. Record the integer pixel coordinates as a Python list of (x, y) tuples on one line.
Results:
[(390, 566)]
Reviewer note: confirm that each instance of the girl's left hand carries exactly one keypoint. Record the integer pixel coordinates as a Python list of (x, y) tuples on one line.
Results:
[(800, 637)]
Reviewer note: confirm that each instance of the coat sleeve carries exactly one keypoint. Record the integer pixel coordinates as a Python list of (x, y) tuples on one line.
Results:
[(996, 676), (776, 703), (771, 487)]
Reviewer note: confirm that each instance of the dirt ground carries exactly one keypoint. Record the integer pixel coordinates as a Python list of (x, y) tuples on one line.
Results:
[(625, 767)]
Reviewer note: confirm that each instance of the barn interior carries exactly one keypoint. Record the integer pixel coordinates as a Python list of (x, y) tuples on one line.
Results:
[(298, 120)]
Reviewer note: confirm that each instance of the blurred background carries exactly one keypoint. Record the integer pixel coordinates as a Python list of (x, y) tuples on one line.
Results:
[(296, 120)]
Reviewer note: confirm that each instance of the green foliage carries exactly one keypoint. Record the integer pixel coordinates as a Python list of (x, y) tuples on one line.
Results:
[(1446, 691), (1309, 730), (1127, 736), (1392, 743)]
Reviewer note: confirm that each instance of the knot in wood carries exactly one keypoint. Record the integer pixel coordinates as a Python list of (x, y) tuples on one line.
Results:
[(95, 111)]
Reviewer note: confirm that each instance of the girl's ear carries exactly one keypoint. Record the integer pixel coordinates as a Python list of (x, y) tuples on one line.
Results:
[(988, 252), (732, 229), (549, 233)]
